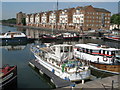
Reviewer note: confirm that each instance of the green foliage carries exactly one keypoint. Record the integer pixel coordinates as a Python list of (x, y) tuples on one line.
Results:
[(9, 21), (23, 21), (115, 19)]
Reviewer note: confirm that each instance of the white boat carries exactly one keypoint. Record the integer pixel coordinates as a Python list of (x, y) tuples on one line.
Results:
[(114, 35), (59, 60), (10, 37), (101, 57), (67, 36)]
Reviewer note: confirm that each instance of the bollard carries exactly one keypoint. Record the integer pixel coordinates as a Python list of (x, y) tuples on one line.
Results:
[(82, 81)]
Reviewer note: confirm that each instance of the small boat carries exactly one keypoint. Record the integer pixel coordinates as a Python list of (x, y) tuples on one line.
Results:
[(61, 36), (59, 60), (13, 37), (47, 37), (101, 57), (112, 37), (67, 36), (8, 77)]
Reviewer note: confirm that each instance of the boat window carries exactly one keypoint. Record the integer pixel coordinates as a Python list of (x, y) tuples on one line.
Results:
[(90, 51), (103, 51), (77, 49), (117, 52), (18, 33), (80, 49), (99, 51), (9, 34), (71, 49), (53, 48), (107, 52), (113, 53), (95, 52), (87, 50), (83, 49), (66, 49)]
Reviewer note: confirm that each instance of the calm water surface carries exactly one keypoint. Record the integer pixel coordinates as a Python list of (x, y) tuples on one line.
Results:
[(27, 77)]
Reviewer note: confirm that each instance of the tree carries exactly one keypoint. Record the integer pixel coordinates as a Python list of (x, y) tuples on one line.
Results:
[(115, 19), (23, 21), (9, 21)]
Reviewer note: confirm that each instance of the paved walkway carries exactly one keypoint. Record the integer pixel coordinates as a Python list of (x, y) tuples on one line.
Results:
[(108, 83)]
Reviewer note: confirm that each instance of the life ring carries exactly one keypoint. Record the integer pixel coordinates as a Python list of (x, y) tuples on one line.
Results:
[(105, 59)]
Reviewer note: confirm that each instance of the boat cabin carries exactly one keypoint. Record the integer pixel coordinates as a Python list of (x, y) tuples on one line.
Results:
[(95, 53), (62, 51), (13, 34)]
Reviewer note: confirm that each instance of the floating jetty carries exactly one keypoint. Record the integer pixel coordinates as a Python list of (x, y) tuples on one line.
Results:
[(57, 81)]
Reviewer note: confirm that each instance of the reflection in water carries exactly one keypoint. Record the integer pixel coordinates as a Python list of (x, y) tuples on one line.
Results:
[(34, 33), (10, 47), (13, 46)]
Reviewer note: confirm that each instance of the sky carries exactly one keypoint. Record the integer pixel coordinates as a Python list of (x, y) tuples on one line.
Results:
[(9, 9)]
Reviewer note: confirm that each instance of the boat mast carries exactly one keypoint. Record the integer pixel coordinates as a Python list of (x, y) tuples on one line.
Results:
[(57, 16)]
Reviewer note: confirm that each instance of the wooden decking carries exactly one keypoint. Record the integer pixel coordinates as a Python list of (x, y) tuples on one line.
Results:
[(58, 82)]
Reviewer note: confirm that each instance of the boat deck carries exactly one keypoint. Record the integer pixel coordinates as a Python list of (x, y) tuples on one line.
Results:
[(57, 81), (45, 49)]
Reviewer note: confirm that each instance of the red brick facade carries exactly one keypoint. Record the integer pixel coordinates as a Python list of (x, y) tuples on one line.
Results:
[(90, 18)]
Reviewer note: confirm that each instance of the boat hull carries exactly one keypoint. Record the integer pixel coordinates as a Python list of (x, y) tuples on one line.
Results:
[(112, 38), (115, 69), (73, 77), (9, 80), (15, 40)]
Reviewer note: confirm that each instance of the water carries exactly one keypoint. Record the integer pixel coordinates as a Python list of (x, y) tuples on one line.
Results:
[(27, 77)]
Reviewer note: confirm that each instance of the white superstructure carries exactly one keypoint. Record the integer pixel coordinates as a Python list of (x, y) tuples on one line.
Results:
[(59, 60), (12, 35), (96, 53)]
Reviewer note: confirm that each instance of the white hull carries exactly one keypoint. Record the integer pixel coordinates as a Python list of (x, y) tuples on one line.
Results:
[(92, 58), (57, 71)]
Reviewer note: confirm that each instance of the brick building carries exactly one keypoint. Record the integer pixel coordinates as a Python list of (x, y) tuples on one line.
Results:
[(20, 18), (79, 18), (28, 19)]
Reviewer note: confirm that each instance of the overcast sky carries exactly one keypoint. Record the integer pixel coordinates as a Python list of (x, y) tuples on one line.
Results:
[(9, 9)]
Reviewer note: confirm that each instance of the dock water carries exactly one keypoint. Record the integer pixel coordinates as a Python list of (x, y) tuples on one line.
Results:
[(57, 81)]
